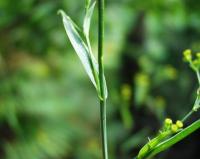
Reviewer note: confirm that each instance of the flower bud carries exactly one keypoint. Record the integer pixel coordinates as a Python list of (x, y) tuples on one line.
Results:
[(187, 55), (174, 128), (168, 121), (179, 124)]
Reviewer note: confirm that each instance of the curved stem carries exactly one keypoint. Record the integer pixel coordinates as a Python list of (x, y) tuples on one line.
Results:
[(194, 109), (190, 113), (101, 78)]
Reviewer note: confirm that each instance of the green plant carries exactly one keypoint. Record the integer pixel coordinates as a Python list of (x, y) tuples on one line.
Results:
[(170, 133), (80, 41)]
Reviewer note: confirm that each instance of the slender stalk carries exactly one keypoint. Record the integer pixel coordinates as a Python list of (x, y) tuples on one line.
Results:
[(101, 79), (103, 129), (187, 115), (194, 109), (191, 112), (100, 45), (198, 76)]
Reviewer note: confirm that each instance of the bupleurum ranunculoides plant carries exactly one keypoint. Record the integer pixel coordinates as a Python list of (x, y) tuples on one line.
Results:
[(79, 38), (170, 133)]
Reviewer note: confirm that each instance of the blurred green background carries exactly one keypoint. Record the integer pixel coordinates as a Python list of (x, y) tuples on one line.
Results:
[(48, 107)]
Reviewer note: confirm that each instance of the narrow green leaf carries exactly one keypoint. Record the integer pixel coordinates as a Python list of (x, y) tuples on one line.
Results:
[(87, 19), (176, 138), (83, 50), (80, 47)]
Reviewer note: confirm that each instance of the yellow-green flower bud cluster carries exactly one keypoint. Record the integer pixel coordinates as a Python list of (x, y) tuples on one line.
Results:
[(168, 129), (173, 127), (179, 124), (194, 61), (187, 54)]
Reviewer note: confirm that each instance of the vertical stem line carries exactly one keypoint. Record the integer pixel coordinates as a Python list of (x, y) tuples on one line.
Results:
[(100, 45), (101, 78), (198, 76), (103, 129)]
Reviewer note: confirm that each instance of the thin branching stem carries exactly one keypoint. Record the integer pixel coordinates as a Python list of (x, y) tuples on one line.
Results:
[(196, 101), (191, 112), (187, 115)]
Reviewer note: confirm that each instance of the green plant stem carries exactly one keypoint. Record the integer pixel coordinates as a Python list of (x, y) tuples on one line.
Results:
[(101, 78), (198, 76), (191, 112), (193, 109), (101, 46), (187, 115), (196, 101), (103, 128)]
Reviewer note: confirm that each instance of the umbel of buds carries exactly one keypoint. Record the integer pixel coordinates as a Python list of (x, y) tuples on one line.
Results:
[(187, 54), (169, 128), (173, 127), (193, 61)]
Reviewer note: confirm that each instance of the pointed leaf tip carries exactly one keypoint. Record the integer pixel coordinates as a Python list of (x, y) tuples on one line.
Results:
[(87, 19)]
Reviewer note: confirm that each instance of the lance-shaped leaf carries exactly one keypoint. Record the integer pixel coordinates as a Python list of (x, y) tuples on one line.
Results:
[(80, 47)]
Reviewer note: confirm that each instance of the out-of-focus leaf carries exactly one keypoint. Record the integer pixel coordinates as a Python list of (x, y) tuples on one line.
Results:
[(80, 47)]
